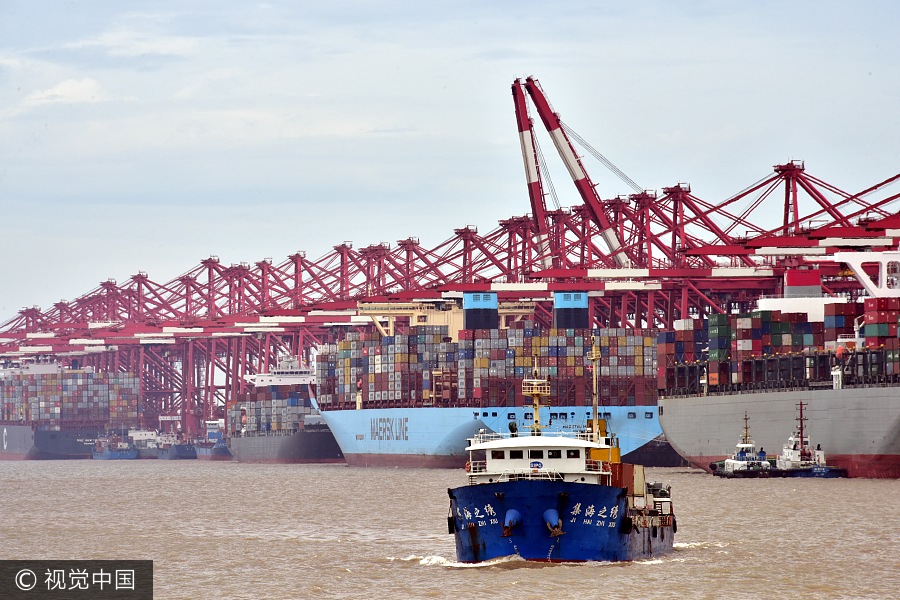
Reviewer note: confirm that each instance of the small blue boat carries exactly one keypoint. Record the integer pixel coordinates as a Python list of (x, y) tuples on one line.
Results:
[(557, 497), (113, 448)]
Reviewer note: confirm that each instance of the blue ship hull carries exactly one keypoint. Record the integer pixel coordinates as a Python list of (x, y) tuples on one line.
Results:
[(817, 472), (117, 454), (595, 526), (218, 451), (436, 436)]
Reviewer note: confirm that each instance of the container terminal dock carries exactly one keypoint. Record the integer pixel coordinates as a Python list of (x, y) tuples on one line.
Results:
[(175, 355)]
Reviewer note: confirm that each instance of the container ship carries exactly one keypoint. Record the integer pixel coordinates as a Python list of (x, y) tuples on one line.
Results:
[(842, 364), (50, 412), (277, 422), (414, 399)]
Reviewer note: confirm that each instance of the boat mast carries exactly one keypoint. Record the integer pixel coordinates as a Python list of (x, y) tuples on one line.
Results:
[(536, 388), (745, 439), (594, 357), (804, 449)]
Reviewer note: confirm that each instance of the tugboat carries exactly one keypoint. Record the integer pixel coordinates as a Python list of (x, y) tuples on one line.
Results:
[(798, 459), (557, 497), (746, 462)]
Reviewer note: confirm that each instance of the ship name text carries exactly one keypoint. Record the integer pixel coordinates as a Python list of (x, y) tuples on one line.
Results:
[(387, 429)]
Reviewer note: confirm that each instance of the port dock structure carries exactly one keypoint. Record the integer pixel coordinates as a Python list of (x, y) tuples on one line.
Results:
[(645, 259)]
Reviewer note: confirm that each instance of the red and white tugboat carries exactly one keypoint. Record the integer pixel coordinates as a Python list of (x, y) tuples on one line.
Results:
[(798, 459)]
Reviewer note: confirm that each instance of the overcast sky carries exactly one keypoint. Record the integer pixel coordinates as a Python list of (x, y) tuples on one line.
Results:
[(147, 136)]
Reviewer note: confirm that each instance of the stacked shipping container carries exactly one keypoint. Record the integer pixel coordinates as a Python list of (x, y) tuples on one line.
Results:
[(485, 367), (70, 396), (881, 319), (841, 321), (881, 316), (416, 368), (774, 348), (270, 408)]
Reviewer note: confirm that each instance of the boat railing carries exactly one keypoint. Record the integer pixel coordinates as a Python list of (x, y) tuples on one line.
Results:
[(270, 433), (597, 466), (518, 475), (535, 387), (487, 436), (490, 436), (530, 474)]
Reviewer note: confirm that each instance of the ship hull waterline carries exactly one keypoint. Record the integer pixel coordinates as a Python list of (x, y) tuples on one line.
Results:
[(313, 445), (23, 442), (603, 533), (215, 453), (859, 428), (436, 437)]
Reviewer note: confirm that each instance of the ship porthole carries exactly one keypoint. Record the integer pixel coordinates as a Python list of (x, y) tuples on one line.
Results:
[(582, 478)]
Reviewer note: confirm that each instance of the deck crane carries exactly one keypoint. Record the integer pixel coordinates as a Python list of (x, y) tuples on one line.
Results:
[(579, 176), (532, 174)]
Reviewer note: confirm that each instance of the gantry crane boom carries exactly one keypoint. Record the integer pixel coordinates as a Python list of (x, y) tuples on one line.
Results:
[(579, 176), (532, 173)]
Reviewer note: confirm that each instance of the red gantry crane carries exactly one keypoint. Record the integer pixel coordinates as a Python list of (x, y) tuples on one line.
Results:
[(645, 259)]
